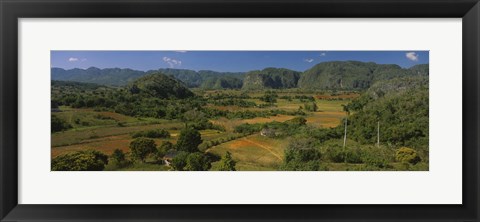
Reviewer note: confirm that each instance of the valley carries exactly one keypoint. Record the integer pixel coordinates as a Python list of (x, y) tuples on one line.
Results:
[(264, 120)]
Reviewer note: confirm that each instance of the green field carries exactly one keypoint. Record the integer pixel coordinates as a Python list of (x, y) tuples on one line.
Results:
[(100, 130)]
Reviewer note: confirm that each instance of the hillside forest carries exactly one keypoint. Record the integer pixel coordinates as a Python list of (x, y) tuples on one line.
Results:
[(335, 116)]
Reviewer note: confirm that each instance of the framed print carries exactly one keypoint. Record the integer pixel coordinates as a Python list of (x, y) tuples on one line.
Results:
[(226, 110)]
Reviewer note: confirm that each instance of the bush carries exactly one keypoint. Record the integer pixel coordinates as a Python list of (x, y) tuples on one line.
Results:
[(407, 155), (375, 157), (338, 154), (179, 161), (301, 155), (59, 124), (156, 133), (248, 128), (227, 163), (165, 148), (197, 162), (89, 160), (354, 155), (297, 121), (298, 166), (323, 135), (311, 107), (335, 154), (119, 159)]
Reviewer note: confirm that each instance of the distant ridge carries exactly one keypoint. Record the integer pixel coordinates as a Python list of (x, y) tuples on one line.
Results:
[(122, 77), (342, 75)]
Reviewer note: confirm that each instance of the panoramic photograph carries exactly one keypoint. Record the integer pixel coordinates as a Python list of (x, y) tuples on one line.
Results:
[(239, 110)]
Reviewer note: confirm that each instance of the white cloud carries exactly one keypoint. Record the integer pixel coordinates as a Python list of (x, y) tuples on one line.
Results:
[(412, 56), (172, 62), (323, 54), (308, 60), (181, 51), (73, 59)]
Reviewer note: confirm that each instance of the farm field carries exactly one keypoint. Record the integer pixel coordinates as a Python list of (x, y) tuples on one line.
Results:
[(106, 131), (254, 152)]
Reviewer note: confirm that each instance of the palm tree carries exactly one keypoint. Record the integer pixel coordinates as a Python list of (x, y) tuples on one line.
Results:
[(347, 110)]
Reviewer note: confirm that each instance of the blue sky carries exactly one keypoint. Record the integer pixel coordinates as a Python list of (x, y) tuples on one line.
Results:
[(227, 61)]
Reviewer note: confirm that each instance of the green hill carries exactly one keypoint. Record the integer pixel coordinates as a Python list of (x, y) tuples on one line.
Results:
[(354, 75), (271, 78), (159, 86)]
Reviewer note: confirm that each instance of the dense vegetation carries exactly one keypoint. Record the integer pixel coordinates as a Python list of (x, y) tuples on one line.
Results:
[(403, 118), (89, 160), (154, 95), (353, 75)]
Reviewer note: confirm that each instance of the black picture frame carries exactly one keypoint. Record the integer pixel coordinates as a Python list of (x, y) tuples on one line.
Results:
[(11, 11)]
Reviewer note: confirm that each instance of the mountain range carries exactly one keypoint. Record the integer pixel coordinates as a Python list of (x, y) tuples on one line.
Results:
[(121, 77), (348, 75)]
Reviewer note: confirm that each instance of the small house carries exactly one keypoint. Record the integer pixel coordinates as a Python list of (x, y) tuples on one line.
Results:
[(169, 157), (268, 132)]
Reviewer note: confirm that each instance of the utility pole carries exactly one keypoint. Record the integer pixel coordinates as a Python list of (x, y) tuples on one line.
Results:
[(345, 108), (378, 134), (345, 136), (345, 140)]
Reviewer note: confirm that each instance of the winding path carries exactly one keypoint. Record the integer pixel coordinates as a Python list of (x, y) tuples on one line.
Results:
[(263, 147)]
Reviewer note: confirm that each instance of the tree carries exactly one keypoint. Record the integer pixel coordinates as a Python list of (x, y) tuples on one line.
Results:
[(227, 163), (346, 109), (312, 107), (134, 89), (298, 121), (164, 148), (192, 116), (189, 140), (54, 104), (59, 124), (119, 158), (89, 160), (269, 97), (142, 147), (197, 162), (179, 161), (301, 155), (118, 155)]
